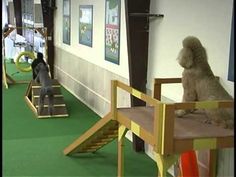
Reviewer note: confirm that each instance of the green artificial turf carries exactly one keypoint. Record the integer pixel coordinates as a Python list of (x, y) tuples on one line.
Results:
[(16, 74), (34, 147)]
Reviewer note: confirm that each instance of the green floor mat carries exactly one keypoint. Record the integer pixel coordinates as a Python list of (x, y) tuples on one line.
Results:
[(34, 147)]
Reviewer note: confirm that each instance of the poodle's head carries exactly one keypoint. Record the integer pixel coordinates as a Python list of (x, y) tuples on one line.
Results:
[(192, 43), (185, 58), (191, 52)]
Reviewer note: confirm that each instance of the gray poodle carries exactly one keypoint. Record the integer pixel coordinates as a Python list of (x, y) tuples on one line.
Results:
[(200, 84), (46, 88)]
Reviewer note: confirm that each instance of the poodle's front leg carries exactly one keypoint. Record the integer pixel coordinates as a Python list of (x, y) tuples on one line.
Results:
[(189, 95)]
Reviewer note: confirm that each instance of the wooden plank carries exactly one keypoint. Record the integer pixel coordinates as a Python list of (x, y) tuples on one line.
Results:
[(42, 31), (39, 86), (28, 91), (4, 73), (54, 82), (72, 147), (225, 142), (226, 104), (114, 99), (158, 83), (182, 145), (56, 91), (157, 91), (143, 133), (10, 29), (213, 163), (157, 127), (120, 147), (205, 104), (29, 103), (188, 105), (61, 110), (140, 95), (167, 80), (10, 79), (55, 105), (168, 129), (56, 101)]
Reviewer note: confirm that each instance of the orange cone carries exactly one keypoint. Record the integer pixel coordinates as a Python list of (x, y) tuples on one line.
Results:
[(189, 166)]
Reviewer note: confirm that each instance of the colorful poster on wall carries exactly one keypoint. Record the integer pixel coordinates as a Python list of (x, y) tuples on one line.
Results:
[(66, 22), (86, 25), (112, 31)]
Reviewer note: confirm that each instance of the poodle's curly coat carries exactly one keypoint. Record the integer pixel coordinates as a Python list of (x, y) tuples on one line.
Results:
[(200, 84)]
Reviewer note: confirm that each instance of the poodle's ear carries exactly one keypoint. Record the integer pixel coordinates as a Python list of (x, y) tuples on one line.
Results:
[(185, 58)]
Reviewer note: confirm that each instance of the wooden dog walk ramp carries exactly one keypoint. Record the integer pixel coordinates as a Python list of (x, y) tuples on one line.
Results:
[(32, 96), (102, 133)]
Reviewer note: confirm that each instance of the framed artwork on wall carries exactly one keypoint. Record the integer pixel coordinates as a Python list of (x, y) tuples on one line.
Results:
[(112, 31), (86, 25), (231, 54), (66, 22)]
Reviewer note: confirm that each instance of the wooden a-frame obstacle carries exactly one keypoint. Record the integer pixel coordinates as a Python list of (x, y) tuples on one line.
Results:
[(5, 77), (157, 125), (32, 93), (32, 97)]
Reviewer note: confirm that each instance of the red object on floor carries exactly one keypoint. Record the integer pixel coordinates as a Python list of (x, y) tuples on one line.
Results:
[(189, 166)]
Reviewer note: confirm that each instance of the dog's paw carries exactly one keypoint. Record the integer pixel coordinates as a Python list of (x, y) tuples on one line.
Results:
[(207, 121), (180, 113), (230, 124), (40, 110), (50, 110)]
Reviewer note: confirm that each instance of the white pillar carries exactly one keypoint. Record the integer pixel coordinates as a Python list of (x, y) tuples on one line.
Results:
[(4, 13)]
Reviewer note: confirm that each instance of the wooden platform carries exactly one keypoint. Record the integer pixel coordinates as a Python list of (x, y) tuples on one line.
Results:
[(32, 97), (158, 126), (186, 130)]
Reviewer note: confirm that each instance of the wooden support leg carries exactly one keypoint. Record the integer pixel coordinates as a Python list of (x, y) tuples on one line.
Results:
[(4, 74), (164, 162), (121, 133), (10, 80), (212, 162)]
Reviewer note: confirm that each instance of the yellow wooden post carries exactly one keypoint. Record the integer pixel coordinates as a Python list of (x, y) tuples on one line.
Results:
[(164, 162), (4, 73), (113, 98)]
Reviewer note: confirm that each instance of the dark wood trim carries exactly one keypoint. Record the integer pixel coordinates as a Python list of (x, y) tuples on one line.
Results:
[(48, 8), (137, 41), (18, 15)]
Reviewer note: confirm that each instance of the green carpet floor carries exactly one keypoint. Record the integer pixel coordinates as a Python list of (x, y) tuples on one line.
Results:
[(34, 147)]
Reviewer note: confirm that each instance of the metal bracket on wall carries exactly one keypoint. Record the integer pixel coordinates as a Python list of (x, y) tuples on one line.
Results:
[(147, 16)]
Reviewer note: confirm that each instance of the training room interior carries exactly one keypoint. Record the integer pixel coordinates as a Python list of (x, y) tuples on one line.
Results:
[(117, 84)]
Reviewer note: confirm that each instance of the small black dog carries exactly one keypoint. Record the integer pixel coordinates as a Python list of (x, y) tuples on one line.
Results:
[(46, 87), (35, 62)]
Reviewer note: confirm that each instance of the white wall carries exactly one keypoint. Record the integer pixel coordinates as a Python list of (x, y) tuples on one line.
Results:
[(95, 54), (209, 20)]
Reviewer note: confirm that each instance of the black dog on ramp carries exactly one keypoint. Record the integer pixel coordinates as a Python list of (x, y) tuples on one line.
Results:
[(46, 87), (36, 61)]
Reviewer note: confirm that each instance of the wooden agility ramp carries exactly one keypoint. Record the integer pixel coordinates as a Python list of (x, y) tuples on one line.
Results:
[(102, 133), (158, 126), (32, 96)]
